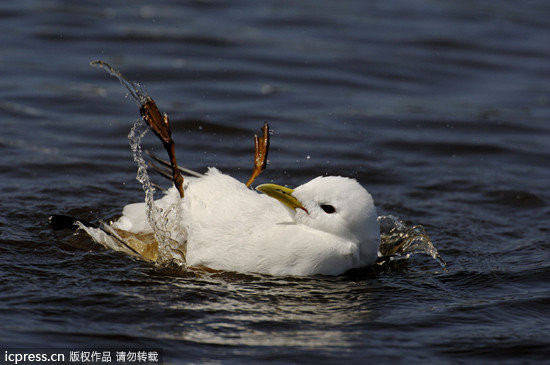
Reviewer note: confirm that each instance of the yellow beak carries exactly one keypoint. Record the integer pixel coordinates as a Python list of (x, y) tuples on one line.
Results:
[(282, 194)]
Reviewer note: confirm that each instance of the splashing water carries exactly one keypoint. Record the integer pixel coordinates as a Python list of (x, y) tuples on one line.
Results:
[(167, 229), (135, 90), (398, 241), (165, 223)]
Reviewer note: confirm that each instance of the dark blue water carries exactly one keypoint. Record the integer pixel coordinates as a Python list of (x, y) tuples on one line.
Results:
[(440, 109)]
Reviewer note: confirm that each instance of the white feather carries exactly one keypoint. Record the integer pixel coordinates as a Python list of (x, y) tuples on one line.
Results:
[(232, 228)]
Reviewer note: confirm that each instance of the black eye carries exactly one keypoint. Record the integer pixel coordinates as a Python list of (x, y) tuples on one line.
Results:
[(329, 209)]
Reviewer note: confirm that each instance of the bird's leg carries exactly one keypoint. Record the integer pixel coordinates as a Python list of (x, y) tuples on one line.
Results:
[(161, 127), (261, 147), (150, 113)]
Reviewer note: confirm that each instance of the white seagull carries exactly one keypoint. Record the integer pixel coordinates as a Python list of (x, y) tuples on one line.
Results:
[(326, 226)]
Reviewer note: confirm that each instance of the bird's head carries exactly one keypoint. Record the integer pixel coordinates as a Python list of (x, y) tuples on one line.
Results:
[(333, 204)]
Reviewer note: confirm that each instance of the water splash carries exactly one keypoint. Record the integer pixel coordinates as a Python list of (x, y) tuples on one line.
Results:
[(168, 231), (135, 90), (399, 241)]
